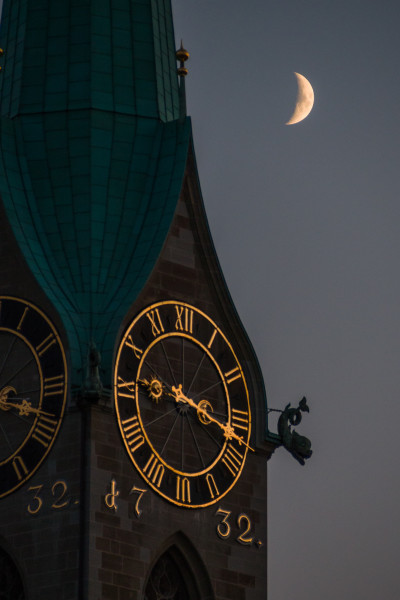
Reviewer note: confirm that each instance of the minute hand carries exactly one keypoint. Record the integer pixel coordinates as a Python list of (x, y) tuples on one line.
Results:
[(228, 430)]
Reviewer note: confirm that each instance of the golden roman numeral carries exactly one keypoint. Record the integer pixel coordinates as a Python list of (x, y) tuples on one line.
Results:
[(19, 465), (240, 419), (184, 318), (233, 375), (129, 385), (133, 433), (45, 345), (137, 351), (212, 338), (233, 460), (156, 327), (22, 318), (44, 431), (54, 386), (212, 486), (154, 470), (183, 489)]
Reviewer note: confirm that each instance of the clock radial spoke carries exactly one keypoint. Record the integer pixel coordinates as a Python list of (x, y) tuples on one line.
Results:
[(160, 417), (26, 392), (168, 362), (208, 432), (219, 414), (207, 390), (169, 435), (195, 375), (8, 354), (196, 444), (182, 439), (19, 370), (5, 436), (183, 362)]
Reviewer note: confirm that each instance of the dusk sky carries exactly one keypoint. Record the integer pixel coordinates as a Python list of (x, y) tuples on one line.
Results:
[(306, 222)]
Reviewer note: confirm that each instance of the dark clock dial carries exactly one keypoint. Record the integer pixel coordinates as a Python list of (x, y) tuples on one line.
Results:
[(182, 404), (33, 387)]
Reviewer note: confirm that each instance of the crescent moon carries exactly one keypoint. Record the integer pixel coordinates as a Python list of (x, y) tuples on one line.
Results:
[(304, 102)]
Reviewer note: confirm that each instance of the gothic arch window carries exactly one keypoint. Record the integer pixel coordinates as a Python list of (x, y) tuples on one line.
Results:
[(178, 574), (166, 581), (11, 587)]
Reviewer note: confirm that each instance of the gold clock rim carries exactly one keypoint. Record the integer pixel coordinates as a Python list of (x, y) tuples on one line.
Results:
[(65, 394), (39, 367), (117, 360)]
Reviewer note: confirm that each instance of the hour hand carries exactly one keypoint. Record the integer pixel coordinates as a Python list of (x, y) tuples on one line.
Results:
[(24, 408)]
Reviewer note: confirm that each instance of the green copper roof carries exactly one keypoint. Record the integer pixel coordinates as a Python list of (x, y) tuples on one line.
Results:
[(114, 55), (92, 152)]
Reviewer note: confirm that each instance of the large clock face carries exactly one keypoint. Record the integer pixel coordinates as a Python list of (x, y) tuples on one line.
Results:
[(33, 389), (182, 404)]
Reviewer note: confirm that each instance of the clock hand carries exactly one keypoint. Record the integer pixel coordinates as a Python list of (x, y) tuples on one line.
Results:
[(154, 388), (228, 430), (25, 408), (5, 391)]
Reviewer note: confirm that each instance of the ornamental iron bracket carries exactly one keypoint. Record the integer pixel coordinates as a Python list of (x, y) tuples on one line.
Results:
[(298, 445)]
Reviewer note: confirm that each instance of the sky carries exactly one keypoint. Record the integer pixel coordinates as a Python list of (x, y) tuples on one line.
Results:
[(306, 219)]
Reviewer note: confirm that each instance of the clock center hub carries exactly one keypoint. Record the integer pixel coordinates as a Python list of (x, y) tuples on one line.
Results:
[(183, 409)]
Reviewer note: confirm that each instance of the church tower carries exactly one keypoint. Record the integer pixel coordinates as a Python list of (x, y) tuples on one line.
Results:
[(133, 416)]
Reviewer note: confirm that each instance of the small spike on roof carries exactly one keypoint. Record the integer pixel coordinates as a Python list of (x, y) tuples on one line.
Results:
[(182, 55)]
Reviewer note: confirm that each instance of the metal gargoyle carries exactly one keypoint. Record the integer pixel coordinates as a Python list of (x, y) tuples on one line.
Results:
[(298, 445)]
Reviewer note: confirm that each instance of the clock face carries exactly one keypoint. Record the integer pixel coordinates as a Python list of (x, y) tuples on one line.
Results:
[(182, 404), (33, 389)]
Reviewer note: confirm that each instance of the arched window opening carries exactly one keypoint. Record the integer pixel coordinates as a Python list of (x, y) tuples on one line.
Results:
[(166, 581), (11, 587), (179, 573)]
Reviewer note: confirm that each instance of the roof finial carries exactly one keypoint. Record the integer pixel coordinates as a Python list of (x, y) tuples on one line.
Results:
[(182, 55)]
